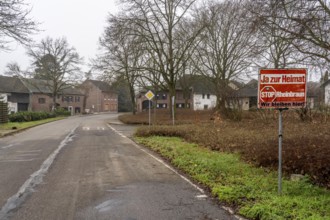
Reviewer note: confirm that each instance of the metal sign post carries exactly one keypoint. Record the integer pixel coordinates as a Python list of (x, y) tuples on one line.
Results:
[(149, 96), (173, 102), (280, 139), (282, 89), (149, 112)]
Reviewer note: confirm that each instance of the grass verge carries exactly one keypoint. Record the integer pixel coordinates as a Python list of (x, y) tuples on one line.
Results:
[(252, 191), (16, 126)]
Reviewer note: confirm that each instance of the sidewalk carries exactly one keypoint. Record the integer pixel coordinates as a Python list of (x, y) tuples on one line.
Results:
[(4, 133)]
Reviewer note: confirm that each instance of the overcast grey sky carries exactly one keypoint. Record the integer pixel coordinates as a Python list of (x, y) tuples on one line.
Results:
[(81, 21)]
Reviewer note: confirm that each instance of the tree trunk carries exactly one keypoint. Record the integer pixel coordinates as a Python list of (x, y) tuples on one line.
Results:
[(54, 102), (132, 95)]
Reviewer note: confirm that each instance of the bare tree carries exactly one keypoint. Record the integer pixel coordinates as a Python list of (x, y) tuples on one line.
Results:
[(162, 26), (57, 63), (13, 69), (227, 47), (122, 55), (15, 23), (307, 24), (277, 48)]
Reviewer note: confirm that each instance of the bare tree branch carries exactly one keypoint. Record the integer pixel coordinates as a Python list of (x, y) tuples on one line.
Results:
[(15, 23)]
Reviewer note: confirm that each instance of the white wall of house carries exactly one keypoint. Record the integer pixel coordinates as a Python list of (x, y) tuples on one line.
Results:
[(3, 97), (12, 106), (244, 103), (327, 94), (204, 101)]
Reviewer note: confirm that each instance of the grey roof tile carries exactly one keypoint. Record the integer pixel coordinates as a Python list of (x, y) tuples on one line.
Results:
[(12, 85)]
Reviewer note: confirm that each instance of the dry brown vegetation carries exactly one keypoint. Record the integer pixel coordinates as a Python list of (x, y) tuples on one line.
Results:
[(306, 145)]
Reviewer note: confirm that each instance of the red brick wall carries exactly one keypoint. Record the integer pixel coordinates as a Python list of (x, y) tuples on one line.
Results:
[(98, 101), (76, 103), (36, 107)]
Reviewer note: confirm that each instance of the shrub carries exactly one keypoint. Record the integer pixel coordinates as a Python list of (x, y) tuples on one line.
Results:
[(62, 112), (305, 145), (30, 116)]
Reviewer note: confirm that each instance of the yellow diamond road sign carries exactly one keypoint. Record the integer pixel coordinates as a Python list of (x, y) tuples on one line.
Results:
[(149, 95)]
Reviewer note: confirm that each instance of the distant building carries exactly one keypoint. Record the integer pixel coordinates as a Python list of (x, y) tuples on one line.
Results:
[(203, 94), (99, 97), (314, 94), (69, 98), (15, 93), (326, 89), (162, 100), (192, 92), (247, 96)]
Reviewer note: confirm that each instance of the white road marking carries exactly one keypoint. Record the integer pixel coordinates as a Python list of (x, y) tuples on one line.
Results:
[(27, 160), (86, 128), (26, 155), (8, 146), (35, 179), (28, 151), (160, 161), (201, 196), (230, 210)]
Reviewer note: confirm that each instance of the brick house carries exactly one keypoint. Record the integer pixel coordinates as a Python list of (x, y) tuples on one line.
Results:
[(192, 92), (70, 99), (162, 100), (99, 97)]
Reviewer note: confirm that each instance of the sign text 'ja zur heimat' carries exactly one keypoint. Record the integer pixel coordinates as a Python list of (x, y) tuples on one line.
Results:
[(282, 88)]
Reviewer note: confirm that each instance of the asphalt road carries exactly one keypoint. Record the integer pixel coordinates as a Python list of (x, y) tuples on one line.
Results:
[(83, 168)]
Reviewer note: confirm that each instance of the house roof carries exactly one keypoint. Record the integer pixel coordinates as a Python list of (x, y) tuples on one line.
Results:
[(12, 85), (45, 86), (37, 85), (199, 84), (72, 91), (103, 86), (249, 90), (203, 87)]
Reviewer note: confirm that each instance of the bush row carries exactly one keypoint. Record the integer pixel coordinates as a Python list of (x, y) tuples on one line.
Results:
[(305, 145), (35, 116)]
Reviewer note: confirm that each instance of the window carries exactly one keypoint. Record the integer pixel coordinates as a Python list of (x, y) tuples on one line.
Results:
[(206, 107), (203, 96), (208, 96), (67, 99), (41, 100), (77, 98), (161, 96)]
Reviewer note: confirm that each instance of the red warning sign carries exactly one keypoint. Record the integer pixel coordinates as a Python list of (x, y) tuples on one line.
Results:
[(282, 88)]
